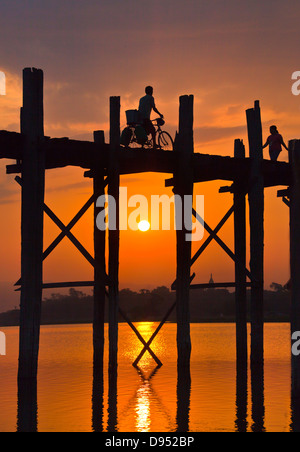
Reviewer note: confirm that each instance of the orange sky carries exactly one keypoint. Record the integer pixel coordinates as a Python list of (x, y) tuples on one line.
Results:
[(227, 55)]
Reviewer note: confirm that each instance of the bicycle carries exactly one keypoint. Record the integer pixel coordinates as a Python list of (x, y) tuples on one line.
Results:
[(135, 135)]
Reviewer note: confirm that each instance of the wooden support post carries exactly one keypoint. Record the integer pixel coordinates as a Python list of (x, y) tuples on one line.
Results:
[(256, 213), (183, 178), (114, 235), (99, 295), (33, 182), (99, 266), (240, 263), (294, 155)]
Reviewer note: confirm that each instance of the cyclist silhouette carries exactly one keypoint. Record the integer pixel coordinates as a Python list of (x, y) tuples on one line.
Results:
[(147, 104)]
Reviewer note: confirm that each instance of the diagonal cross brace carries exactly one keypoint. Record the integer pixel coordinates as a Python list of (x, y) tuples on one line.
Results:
[(68, 234), (73, 222), (220, 241), (209, 239), (66, 230), (149, 342), (140, 337), (142, 340), (213, 236)]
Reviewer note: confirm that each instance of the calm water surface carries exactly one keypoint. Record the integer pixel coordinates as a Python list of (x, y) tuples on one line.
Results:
[(147, 399)]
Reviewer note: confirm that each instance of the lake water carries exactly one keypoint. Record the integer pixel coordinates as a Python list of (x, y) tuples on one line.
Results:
[(147, 401)]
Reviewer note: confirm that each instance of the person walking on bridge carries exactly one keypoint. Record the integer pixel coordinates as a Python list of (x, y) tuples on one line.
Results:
[(275, 143)]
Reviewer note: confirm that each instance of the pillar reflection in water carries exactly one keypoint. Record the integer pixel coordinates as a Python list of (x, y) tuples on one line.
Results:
[(112, 403), (183, 399), (98, 401), (258, 400), (241, 423), (295, 415), (27, 421)]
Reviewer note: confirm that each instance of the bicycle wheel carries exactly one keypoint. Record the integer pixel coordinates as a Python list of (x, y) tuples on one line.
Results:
[(165, 141)]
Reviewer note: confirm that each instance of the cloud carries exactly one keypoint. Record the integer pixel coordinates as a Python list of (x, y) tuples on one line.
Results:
[(8, 192), (70, 187), (11, 102), (205, 135)]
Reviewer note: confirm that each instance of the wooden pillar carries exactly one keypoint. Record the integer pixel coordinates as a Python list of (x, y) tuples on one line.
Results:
[(183, 178), (240, 264), (100, 265), (114, 235), (294, 154), (33, 182), (256, 214)]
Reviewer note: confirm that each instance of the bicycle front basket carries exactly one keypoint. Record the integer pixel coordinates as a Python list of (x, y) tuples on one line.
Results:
[(132, 117)]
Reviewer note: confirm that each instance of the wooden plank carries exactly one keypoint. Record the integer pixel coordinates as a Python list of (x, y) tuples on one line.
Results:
[(217, 285), (227, 189), (33, 183), (256, 215), (239, 201), (11, 145), (183, 177), (62, 285), (282, 193), (294, 156)]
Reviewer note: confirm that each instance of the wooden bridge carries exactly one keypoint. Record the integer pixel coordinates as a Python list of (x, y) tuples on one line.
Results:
[(104, 163), (62, 152)]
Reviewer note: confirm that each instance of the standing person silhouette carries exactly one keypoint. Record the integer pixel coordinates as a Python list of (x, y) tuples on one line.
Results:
[(147, 104), (275, 142)]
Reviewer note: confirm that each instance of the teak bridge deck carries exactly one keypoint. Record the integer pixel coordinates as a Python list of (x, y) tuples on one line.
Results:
[(62, 152)]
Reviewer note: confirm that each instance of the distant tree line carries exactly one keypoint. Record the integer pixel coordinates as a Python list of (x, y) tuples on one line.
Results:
[(209, 305)]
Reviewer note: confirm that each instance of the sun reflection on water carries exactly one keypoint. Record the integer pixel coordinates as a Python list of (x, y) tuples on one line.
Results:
[(142, 408)]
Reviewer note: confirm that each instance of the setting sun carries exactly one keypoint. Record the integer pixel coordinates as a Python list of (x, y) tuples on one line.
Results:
[(144, 226)]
